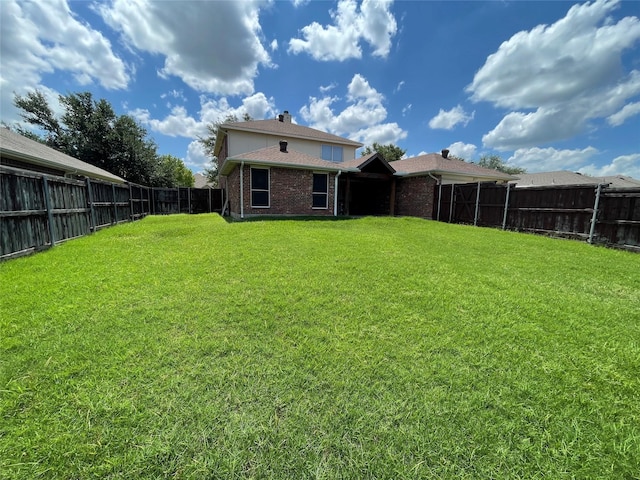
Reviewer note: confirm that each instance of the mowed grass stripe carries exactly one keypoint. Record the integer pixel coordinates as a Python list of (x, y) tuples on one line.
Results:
[(189, 347)]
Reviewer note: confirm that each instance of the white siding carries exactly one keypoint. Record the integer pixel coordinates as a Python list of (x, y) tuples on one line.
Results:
[(243, 142)]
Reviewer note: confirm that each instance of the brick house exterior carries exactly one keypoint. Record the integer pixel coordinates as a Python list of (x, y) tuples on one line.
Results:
[(313, 173), (414, 196), (290, 192)]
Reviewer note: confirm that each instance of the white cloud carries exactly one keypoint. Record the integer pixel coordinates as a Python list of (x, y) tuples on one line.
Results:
[(399, 86), (406, 109), (623, 165), (550, 159), (549, 123), (212, 46), (179, 123), (274, 45), (568, 73), (40, 38), (372, 22), (362, 119), (197, 160), (446, 120), (463, 150), (326, 88), (621, 116)]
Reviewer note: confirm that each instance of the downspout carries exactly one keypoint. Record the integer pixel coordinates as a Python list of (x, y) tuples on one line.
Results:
[(439, 183), (242, 190), (335, 194)]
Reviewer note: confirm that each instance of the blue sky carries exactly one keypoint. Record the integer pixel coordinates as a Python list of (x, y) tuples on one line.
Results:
[(546, 85)]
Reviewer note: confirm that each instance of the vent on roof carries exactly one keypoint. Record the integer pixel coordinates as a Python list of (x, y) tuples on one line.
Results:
[(283, 146), (445, 153)]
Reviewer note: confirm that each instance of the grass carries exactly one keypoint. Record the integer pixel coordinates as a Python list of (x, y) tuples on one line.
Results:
[(188, 347)]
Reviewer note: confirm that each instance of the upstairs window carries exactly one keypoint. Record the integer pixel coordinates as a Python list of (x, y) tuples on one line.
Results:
[(331, 153), (320, 192), (260, 187)]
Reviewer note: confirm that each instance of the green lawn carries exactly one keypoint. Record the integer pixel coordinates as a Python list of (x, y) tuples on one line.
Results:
[(189, 347)]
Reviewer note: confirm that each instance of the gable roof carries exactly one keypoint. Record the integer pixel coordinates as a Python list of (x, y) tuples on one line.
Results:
[(362, 162), (281, 129), (274, 157), (26, 151), (565, 177), (435, 163)]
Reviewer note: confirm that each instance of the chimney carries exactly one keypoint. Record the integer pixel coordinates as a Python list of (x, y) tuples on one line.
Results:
[(445, 153), (281, 118), (286, 117), (283, 146)]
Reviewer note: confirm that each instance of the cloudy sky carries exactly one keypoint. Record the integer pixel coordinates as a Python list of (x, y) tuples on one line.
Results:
[(545, 85)]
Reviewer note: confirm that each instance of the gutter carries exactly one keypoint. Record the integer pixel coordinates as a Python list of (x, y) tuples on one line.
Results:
[(242, 189)]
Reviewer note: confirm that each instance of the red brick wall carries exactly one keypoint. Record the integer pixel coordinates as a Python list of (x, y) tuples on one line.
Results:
[(414, 196), (290, 193)]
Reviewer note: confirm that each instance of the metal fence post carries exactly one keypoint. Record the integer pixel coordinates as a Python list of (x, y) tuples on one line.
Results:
[(506, 208), (453, 187), (595, 213), (439, 198), (91, 206), (475, 217), (47, 202)]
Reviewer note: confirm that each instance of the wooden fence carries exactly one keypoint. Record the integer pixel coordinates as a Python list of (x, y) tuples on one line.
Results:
[(38, 211), (595, 213)]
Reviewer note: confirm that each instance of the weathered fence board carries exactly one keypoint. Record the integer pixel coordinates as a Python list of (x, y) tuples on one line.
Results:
[(566, 211), (39, 210)]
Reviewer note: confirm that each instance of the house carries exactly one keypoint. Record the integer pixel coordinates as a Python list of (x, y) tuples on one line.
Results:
[(21, 152), (276, 167), (201, 181), (565, 177)]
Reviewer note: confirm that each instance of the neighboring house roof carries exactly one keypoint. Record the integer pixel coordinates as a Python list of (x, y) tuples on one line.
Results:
[(274, 157), (16, 147), (436, 164), (284, 129), (201, 181), (565, 177)]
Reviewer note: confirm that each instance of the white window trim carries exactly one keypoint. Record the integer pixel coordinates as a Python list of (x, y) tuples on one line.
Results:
[(326, 194), (268, 190)]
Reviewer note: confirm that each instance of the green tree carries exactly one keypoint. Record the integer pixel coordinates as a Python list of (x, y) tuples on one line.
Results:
[(172, 172), (209, 142), (494, 162), (89, 130), (36, 111), (389, 152)]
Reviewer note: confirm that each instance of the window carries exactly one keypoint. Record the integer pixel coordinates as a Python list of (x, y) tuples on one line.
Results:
[(333, 154), (320, 192), (260, 187)]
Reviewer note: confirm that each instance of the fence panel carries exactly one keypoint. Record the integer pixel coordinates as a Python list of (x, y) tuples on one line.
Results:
[(618, 221), (168, 201), (23, 213)]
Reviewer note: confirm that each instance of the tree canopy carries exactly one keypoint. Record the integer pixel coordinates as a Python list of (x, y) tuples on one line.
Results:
[(389, 152), (209, 142), (494, 162), (90, 130)]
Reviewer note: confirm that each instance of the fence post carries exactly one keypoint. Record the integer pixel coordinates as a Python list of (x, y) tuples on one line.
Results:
[(115, 207), (439, 197), (189, 199), (595, 214), (178, 199), (475, 217), (453, 187), (506, 208), (131, 203), (91, 207), (209, 200), (47, 202)]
